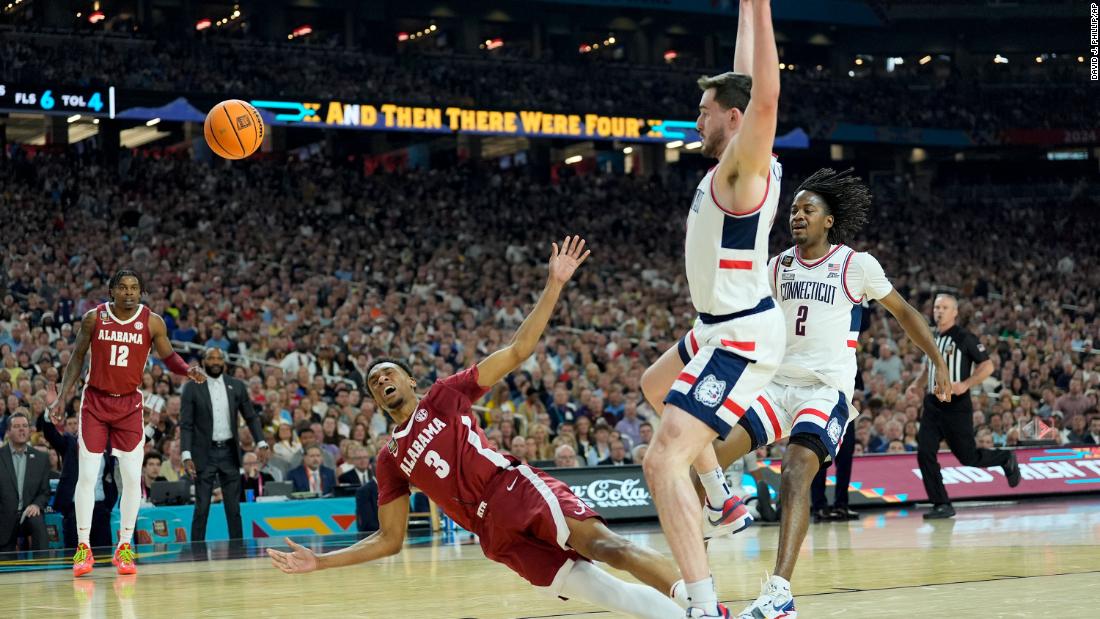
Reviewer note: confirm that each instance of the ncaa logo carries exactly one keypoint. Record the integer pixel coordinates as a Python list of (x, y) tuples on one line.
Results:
[(421, 415), (710, 391), (392, 446), (138, 325), (834, 430), (244, 122), (104, 316)]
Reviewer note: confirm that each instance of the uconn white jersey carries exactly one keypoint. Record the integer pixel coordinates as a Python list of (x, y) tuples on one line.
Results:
[(822, 302), (727, 253)]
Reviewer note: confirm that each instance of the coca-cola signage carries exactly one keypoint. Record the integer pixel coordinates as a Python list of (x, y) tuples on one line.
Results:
[(617, 492)]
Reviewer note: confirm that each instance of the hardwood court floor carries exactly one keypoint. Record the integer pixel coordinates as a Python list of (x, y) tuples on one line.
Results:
[(1034, 559)]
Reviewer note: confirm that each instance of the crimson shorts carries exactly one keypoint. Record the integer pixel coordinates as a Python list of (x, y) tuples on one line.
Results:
[(525, 526), (104, 416)]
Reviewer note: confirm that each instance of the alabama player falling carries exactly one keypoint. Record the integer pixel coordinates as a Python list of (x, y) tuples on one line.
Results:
[(119, 334), (525, 519)]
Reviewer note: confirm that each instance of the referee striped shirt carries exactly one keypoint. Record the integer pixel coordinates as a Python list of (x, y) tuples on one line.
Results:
[(962, 351)]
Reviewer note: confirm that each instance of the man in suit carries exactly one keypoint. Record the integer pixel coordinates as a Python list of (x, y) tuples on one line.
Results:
[(24, 487), (618, 456), (311, 476), (359, 474), (209, 441), (106, 491), (254, 478)]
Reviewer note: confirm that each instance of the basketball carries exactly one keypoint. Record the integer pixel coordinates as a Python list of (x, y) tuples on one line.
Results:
[(233, 129)]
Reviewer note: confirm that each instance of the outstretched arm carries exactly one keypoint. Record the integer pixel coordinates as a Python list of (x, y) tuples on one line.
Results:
[(745, 165), (562, 265), (73, 368), (917, 329), (742, 52), (163, 345), (393, 521)]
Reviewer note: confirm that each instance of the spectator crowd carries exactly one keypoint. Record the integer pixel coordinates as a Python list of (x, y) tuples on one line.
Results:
[(305, 271)]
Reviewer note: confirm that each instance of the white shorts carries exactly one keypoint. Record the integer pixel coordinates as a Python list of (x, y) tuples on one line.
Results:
[(728, 361), (785, 410)]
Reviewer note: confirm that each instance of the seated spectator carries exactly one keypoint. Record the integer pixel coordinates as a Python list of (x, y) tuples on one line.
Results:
[(360, 472), (287, 447), (565, 457), (896, 447), (638, 454), (1093, 436), (618, 456), (312, 476), (253, 478), (150, 472), (519, 449)]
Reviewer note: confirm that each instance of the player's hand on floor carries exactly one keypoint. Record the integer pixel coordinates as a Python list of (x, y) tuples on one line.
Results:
[(564, 261), (300, 561)]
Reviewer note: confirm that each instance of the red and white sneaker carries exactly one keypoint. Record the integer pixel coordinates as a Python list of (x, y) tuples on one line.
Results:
[(83, 561), (125, 559), (733, 517)]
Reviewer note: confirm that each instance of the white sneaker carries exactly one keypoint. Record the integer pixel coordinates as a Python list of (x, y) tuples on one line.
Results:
[(732, 517), (775, 602)]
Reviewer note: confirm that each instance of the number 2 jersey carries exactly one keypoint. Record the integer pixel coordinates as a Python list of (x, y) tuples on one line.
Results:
[(119, 350), (442, 451), (822, 302)]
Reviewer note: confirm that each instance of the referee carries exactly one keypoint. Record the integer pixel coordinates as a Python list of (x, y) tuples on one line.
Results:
[(953, 420)]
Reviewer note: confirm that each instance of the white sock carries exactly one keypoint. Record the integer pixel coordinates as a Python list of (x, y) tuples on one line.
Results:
[(701, 595), (717, 489), (779, 582), (129, 469), (84, 496), (679, 594), (591, 584)]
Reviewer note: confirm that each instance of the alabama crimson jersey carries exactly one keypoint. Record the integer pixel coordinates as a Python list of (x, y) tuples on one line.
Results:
[(119, 350), (726, 253), (442, 452), (822, 302)]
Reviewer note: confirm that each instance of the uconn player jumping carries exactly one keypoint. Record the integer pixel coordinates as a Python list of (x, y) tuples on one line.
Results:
[(715, 373), (820, 284)]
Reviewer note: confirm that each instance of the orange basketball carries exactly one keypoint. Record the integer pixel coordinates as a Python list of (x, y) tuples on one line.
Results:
[(233, 129)]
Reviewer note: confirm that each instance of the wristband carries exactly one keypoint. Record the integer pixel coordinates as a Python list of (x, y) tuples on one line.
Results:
[(177, 365)]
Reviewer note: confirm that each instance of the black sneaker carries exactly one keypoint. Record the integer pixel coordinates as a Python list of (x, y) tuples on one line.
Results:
[(843, 513), (940, 512), (1012, 470)]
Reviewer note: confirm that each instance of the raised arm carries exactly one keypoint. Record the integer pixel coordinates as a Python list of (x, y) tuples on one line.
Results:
[(917, 329), (744, 167), (562, 265), (73, 368), (163, 345), (393, 521), (742, 52)]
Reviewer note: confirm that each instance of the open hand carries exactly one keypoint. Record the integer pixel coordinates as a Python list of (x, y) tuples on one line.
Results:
[(564, 263), (300, 561), (196, 374)]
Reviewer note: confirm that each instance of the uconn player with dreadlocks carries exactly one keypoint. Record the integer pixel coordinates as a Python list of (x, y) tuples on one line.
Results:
[(820, 284)]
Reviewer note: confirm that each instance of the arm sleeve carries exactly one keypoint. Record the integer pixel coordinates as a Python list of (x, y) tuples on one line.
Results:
[(864, 277), (391, 484), (465, 382)]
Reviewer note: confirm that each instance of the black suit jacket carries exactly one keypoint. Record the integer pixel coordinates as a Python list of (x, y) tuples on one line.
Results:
[(36, 486), (351, 476), (197, 419), (68, 447)]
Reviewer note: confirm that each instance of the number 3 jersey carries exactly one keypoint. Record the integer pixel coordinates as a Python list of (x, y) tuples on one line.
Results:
[(442, 452), (822, 302), (119, 350)]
